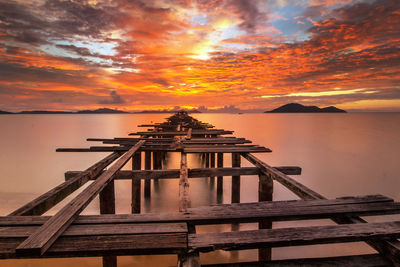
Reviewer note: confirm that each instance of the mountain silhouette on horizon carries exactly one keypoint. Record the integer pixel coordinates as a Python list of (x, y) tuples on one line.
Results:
[(299, 108)]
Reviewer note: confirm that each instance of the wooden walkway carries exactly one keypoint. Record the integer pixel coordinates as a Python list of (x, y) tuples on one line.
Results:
[(26, 233)]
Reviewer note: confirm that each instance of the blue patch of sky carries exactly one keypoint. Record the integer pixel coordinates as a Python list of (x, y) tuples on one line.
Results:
[(231, 33), (57, 52), (94, 47), (199, 20), (291, 28)]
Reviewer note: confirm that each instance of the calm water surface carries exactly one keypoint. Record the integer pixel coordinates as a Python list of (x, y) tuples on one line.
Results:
[(341, 155)]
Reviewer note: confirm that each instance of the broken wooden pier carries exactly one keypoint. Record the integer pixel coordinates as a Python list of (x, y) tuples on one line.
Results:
[(26, 233)]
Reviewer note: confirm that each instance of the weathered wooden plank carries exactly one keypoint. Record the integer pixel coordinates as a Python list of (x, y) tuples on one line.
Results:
[(156, 141), (294, 236), (104, 245), (240, 212), (100, 229), (227, 150), (49, 199), (193, 173), (368, 260), (296, 187), (184, 200), (177, 133), (45, 236)]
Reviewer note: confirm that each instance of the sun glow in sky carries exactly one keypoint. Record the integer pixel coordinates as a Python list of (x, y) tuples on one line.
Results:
[(159, 54)]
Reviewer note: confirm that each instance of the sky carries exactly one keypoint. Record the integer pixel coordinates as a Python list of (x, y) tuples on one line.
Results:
[(211, 55)]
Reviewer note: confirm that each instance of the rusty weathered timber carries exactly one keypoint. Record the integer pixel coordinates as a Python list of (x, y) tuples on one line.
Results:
[(48, 200), (44, 237)]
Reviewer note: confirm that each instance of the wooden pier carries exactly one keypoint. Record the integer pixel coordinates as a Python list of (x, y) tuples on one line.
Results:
[(26, 233)]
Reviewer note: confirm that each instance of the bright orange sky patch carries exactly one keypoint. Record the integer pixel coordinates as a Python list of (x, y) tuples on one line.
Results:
[(156, 54)]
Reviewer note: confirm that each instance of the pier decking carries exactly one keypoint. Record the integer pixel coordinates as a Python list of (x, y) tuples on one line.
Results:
[(26, 233)]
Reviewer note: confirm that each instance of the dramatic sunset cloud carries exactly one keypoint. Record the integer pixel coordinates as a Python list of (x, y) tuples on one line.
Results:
[(159, 54)]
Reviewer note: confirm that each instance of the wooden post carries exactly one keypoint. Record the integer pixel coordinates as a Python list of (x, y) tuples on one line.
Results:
[(107, 206), (207, 160), (235, 179), (212, 158), (184, 201), (186, 259), (212, 165), (265, 191), (136, 183), (220, 164), (147, 166), (154, 160)]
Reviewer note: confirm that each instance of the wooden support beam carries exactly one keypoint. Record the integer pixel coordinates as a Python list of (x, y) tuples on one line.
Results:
[(212, 161), (147, 166), (155, 160), (207, 160), (239, 213), (388, 249), (220, 181), (235, 179), (109, 240), (189, 134), (299, 189), (177, 133), (223, 149), (44, 237), (193, 173), (265, 193), (136, 183), (107, 206), (49, 199), (293, 236), (184, 200)]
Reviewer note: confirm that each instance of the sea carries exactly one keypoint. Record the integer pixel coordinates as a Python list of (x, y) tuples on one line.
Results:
[(340, 155)]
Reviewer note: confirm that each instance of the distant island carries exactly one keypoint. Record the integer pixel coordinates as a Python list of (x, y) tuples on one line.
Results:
[(298, 108), (166, 111), (96, 111), (101, 111)]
